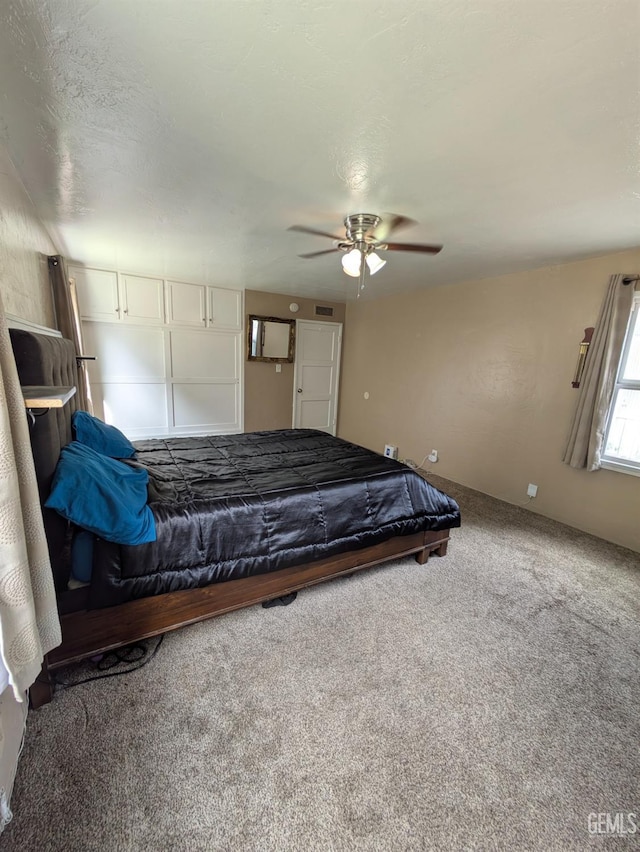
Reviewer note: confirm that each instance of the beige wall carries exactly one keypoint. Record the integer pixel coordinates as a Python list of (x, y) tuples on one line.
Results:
[(268, 396), (24, 246), (481, 371)]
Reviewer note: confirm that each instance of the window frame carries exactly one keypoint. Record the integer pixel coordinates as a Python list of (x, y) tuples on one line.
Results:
[(615, 462)]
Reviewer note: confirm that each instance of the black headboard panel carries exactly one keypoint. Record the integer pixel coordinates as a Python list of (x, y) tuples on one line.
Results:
[(50, 361)]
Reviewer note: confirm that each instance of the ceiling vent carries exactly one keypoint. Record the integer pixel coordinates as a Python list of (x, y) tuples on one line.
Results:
[(323, 312)]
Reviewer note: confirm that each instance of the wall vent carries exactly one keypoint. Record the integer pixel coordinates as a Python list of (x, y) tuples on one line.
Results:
[(323, 312)]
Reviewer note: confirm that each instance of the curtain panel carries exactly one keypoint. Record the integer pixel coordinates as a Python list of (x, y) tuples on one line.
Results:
[(586, 439), (29, 623), (68, 316)]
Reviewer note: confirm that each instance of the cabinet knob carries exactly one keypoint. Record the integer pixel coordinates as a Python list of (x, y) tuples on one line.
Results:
[(210, 319), (126, 310), (299, 390)]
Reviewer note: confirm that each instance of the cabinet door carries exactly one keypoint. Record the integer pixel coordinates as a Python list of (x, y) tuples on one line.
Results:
[(205, 407), (125, 354), (210, 355), (97, 293), (225, 308), (128, 377), (186, 303), (205, 381), (142, 299), (137, 409)]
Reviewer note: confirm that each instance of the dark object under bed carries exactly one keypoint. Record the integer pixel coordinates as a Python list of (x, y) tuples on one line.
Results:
[(241, 519)]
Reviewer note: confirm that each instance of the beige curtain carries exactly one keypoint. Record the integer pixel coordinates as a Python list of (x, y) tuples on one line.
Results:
[(585, 444), (29, 623), (68, 316)]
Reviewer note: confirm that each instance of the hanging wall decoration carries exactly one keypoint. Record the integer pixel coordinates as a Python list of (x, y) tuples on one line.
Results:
[(582, 357)]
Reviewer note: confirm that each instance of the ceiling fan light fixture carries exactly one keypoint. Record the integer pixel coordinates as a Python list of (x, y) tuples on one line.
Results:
[(375, 263), (351, 262), (364, 234)]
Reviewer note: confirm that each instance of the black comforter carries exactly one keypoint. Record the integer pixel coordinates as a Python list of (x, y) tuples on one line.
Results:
[(231, 506)]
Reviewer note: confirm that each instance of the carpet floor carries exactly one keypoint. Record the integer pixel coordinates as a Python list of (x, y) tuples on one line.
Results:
[(488, 700)]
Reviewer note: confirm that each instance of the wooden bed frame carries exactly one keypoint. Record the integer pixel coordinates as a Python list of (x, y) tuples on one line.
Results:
[(86, 633), (48, 361)]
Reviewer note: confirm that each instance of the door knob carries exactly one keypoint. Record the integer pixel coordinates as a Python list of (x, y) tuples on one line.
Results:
[(299, 390)]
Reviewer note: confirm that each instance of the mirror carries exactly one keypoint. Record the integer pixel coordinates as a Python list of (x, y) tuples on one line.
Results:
[(270, 339)]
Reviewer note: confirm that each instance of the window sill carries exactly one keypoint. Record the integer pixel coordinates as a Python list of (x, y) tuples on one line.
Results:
[(621, 467)]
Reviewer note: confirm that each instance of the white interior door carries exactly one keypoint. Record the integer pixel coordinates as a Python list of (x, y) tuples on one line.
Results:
[(317, 368)]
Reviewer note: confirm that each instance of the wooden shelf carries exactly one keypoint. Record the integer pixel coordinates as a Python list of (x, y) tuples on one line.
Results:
[(46, 397)]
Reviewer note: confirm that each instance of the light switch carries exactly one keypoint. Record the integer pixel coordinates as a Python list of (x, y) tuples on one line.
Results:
[(278, 368)]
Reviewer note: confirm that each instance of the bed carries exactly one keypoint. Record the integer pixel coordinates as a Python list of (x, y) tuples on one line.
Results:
[(240, 519)]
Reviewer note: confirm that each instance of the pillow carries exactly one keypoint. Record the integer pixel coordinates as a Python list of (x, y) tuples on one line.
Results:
[(100, 436), (102, 495)]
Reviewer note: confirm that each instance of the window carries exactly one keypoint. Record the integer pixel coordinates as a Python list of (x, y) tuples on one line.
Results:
[(622, 437)]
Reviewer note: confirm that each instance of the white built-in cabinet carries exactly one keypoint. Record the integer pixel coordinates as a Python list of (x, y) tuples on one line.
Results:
[(186, 304), (168, 354), (142, 299), (203, 307), (98, 295), (225, 308)]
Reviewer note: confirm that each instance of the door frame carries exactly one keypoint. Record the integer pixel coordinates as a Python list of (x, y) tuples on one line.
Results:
[(296, 363)]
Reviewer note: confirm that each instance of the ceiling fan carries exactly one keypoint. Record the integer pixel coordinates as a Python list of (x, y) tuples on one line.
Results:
[(365, 234)]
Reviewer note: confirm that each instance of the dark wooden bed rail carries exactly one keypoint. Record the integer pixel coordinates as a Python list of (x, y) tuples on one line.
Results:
[(89, 632)]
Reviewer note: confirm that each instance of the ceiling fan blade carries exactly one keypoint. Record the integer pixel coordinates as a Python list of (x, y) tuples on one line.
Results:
[(413, 247), (388, 226), (303, 230), (318, 253)]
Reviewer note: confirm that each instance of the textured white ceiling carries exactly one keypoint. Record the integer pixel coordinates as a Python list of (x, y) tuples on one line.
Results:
[(182, 138)]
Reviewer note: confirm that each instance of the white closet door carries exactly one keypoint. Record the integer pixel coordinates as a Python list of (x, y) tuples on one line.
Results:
[(128, 377), (206, 406), (124, 353), (204, 355), (137, 409), (205, 379)]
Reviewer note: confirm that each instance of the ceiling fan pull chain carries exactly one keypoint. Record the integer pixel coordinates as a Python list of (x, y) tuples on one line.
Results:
[(363, 272)]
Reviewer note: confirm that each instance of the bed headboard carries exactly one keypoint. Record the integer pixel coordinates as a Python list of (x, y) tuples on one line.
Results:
[(46, 360)]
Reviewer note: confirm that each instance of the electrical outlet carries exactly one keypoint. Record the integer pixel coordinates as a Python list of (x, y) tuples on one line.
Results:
[(532, 490), (390, 451), (410, 463), (433, 456)]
